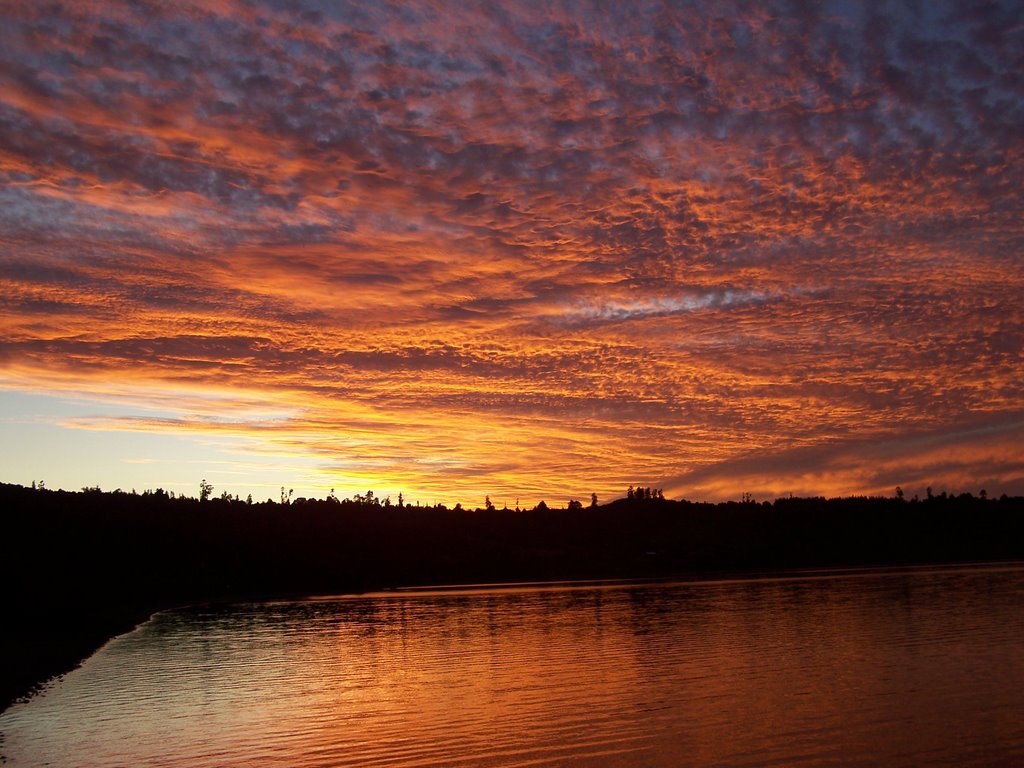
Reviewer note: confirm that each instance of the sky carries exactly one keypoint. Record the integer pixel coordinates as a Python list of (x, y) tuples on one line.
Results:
[(530, 250)]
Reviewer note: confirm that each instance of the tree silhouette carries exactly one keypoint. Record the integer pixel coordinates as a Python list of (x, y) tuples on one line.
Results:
[(205, 489)]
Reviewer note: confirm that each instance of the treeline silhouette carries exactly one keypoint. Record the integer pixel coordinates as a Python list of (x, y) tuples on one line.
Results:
[(79, 567)]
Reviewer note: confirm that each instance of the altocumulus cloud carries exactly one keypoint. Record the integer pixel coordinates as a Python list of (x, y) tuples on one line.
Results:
[(547, 249)]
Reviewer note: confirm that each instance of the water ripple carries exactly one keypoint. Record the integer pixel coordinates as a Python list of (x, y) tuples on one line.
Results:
[(919, 667)]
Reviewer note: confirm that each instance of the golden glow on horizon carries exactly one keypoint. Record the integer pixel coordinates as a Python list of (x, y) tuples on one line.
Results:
[(522, 262)]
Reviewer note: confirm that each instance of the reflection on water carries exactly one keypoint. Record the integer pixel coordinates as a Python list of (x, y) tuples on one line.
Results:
[(909, 668)]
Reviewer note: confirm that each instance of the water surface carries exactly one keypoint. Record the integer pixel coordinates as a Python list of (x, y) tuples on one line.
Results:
[(922, 667)]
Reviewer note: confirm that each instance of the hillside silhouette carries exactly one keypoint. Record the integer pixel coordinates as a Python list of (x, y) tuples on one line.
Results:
[(79, 567)]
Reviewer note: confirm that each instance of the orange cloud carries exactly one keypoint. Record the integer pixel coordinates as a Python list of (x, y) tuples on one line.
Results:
[(521, 252)]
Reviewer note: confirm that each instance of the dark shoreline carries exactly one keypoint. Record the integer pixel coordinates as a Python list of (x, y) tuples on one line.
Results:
[(44, 648), (35, 657)]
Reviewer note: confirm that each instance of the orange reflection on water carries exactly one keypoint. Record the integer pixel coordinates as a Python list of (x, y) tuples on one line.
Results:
[(899, 668)]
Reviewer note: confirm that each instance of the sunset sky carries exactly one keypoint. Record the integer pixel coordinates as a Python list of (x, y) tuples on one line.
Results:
[(532, 250)]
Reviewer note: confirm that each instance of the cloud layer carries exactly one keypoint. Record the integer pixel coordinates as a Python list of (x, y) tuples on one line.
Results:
[(533, 249)]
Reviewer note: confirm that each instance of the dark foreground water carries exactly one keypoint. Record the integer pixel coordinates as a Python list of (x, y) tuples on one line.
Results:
[(912, 668)]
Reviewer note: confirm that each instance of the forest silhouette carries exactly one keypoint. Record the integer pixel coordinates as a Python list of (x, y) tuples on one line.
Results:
[(80, 567)]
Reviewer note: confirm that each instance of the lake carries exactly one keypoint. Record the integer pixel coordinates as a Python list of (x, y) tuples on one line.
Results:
[(898, 668)]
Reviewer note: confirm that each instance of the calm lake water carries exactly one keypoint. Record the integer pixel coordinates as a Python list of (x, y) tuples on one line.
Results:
[(922, 667)]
